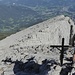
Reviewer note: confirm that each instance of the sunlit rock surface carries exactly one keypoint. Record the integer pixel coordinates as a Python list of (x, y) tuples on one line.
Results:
[(35, 42)]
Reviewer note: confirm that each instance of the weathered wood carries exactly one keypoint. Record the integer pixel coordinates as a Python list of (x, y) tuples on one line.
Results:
[(62, 50), (71, 44), (60, 46), (71, 35), (62, 53)]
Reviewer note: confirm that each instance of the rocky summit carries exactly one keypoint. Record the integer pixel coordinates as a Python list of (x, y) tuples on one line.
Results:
[(28, 52)]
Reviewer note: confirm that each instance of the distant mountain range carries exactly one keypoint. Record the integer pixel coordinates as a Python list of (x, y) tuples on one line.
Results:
[(16, 15)]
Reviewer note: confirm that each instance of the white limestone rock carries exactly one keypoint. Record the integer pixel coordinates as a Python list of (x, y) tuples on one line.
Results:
[(35, 41)]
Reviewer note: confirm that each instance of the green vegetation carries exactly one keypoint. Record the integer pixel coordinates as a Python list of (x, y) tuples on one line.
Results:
[(5, 34), (16, 15)]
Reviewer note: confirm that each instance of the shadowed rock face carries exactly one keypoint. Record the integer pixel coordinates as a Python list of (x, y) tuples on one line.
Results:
[(35, 42), (31, 67)]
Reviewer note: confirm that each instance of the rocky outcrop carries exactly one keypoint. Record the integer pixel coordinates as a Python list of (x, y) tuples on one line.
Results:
[(35, 42)]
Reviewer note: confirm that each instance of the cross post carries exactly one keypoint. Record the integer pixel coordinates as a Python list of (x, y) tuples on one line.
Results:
[(62, 50), (71, 35), (62, 53)]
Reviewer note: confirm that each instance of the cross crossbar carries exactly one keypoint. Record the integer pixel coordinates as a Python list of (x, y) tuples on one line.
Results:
[(71, 44), (61, 51), (60, 46)]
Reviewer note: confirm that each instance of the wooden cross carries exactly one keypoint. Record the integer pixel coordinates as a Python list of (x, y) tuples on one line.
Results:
[(71, 44), (62, 50)]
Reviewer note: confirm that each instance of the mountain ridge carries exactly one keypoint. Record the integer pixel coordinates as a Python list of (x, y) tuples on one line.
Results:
[(33, 44), (40, 27)]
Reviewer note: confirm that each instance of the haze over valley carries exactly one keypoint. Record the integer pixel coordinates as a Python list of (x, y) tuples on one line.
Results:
[(16, 15)]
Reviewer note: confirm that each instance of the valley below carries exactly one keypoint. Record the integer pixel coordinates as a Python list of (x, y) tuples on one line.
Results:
[(18, 15)]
